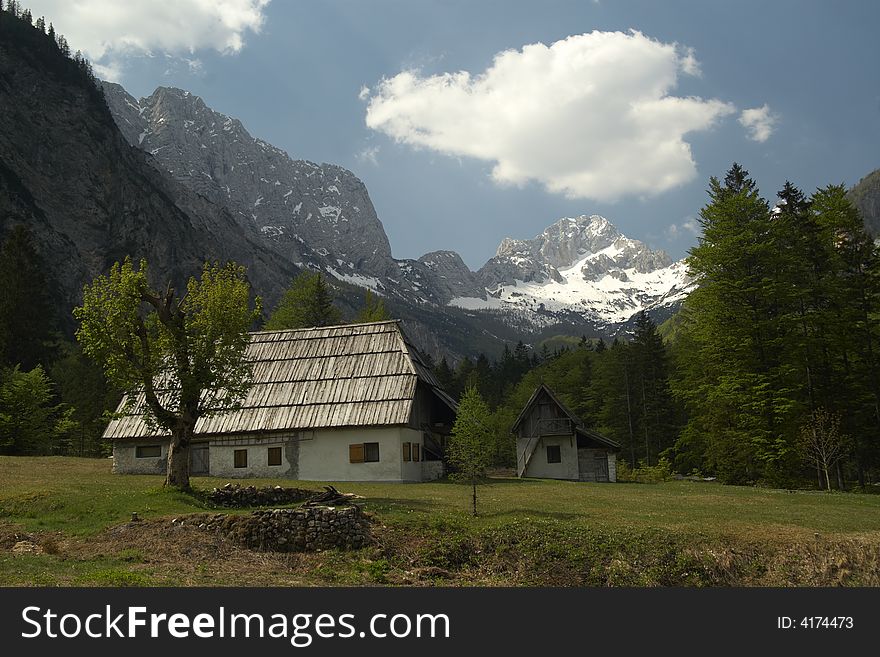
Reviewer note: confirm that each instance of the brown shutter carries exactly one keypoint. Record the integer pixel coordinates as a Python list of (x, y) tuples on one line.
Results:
[(407, 452), (356, 453), (415, 451)]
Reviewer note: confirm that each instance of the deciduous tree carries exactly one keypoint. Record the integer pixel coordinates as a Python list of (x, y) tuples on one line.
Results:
[(471, 444), (185, 353)]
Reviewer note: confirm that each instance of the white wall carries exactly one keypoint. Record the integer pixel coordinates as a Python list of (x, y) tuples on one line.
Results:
[(325, 458), (315, 456), (567, 469), (125, 461), (222, 458), (411, 470)]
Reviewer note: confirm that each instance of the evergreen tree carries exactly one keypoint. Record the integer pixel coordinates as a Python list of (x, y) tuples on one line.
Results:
[(26, 411), (307, 303), (27, 318), (373, 310), (656, 413), (738, 394)]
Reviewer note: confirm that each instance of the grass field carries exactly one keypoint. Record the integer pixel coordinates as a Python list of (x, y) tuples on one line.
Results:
[(73, 515)]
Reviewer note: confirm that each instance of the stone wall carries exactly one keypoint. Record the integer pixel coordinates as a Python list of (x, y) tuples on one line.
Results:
[(237, 496), (290, 530)]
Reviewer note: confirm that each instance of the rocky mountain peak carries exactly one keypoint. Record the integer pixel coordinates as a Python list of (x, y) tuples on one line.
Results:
[(310, 213)]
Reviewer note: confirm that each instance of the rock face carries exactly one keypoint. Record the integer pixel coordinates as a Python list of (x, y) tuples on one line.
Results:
[(86, 196), (303, 208), (322, 216), (581, 266), (866, 197)]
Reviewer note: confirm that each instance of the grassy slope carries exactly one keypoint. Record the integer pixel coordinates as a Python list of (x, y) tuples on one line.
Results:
[(529, 532)]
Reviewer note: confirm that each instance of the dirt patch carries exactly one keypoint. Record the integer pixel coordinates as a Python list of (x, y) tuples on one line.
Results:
[(19, 542)]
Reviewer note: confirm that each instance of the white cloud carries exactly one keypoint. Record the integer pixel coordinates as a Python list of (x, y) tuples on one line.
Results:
[(688, 228), (370, 155), (590, 116), (107, 31), (759, 122)]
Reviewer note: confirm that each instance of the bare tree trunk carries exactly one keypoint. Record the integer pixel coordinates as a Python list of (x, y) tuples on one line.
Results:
[(474, 484), (819, 475), (645, 418), (827, 478), (840, 485), (629, 417)]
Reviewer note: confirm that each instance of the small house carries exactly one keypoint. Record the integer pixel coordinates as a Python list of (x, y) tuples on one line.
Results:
[(339, 403), (552, 443)]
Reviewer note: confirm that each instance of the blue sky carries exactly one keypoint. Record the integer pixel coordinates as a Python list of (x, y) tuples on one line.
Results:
[(627, 125)]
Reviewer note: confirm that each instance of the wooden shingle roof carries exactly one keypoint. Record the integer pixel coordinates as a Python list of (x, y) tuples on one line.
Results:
[(337, 376)]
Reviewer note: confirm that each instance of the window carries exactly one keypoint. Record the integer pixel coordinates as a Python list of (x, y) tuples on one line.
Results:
[(407, 452), (148, 451), (363, 453), (240, 458), (274, 456), (371, 452), (415, 451), (356, 453), (554, 454)]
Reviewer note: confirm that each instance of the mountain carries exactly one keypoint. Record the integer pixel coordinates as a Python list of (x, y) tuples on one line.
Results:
[(581, 273), (866, 197), (86, 196), (580, 267)]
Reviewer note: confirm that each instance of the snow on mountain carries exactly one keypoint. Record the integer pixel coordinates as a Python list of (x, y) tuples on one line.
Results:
[(582, 266), (581, 271)]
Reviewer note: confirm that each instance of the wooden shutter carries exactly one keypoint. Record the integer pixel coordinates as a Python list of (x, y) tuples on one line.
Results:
[(274, 456), (356, 453), (407, 451), (240, 457), (415, 451)]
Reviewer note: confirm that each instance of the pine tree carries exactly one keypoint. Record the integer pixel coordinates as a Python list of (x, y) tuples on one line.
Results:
[(656, 413), (738, 393), (307, 303), (373, 310), (27, 318)]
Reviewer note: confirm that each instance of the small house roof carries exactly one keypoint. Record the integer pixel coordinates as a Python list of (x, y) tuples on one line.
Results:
[(577, 423), (335, 376)]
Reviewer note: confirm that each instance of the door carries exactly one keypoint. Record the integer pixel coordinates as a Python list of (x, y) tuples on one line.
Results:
[(585, 465), (601, 467), (198, 460)]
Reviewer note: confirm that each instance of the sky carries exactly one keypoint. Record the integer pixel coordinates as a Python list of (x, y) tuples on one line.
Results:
[(474, 120)]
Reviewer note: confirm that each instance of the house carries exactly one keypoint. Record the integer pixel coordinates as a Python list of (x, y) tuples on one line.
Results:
[(339, 403), (552, 443)]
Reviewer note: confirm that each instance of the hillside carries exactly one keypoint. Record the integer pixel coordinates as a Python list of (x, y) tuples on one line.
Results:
[(87, 197)]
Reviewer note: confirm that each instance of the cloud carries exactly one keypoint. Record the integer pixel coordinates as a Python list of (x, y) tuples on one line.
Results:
[(108, 31), (759, 122), (688, 228), (370, 155), (590, 116)]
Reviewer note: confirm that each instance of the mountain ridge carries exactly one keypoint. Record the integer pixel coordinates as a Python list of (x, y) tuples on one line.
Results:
[(311, 214)]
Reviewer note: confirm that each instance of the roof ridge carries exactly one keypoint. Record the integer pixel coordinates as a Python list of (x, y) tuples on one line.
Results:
[(325, 328)]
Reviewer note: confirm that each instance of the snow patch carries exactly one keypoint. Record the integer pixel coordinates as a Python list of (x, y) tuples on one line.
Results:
[(368, 282)]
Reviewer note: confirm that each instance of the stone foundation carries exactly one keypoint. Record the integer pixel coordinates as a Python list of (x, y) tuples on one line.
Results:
[(290, 530)]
